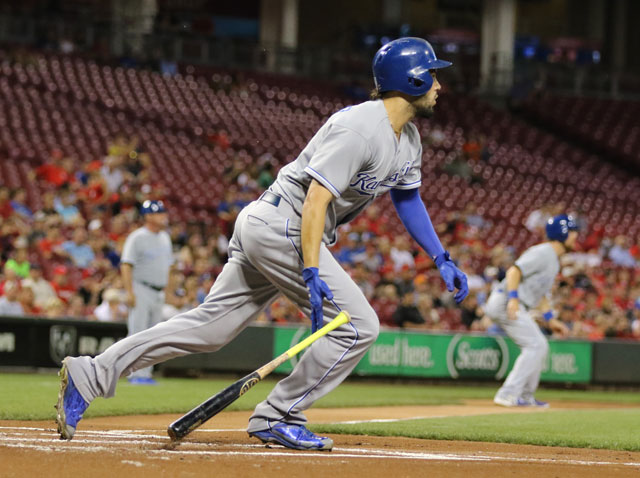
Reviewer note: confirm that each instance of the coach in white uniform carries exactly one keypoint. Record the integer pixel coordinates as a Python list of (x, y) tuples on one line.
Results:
[(147, 256), (526, 287), (279, 246)]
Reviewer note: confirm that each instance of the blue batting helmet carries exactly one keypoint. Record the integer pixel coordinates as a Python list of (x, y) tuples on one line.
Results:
[(404, 64), (152, 207), (558, 227)]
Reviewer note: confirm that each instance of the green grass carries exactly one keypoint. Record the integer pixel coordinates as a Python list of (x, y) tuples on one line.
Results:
[(31, 396), (609, 429)]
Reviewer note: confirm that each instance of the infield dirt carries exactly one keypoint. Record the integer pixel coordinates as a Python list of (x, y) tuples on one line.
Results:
[(138, 446)]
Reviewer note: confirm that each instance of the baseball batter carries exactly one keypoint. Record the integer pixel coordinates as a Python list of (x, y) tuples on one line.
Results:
[(147, 256), (527, 286), (279, 246)]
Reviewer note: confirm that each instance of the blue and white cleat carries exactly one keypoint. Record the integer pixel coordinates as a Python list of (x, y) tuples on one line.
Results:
[(294, 436), (70, 406), (511, 401), (532, 402)]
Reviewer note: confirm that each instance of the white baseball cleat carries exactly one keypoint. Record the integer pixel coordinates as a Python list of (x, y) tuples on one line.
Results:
[(507, 401)]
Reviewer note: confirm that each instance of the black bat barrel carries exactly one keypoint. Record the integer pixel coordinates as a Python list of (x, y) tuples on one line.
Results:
[(203, 412)]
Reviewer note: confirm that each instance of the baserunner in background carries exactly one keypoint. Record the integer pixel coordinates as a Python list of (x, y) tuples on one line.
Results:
[(525, 290)]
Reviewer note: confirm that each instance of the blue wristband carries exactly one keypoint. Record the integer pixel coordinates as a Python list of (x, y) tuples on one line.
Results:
[(548, 315), (309, 273), (512, 294)]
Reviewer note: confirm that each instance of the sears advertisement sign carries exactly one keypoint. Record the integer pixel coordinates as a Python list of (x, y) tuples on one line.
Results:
[(459, 356)]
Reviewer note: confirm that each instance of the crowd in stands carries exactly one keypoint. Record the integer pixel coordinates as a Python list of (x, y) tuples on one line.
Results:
[(62, 259)]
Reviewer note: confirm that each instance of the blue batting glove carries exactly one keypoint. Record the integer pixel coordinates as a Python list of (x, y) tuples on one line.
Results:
[(453, 277), (318, 290)]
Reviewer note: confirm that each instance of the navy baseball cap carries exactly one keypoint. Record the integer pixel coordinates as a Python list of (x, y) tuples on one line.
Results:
[(152, 207)]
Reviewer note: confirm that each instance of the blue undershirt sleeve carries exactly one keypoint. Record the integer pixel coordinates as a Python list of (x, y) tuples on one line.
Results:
[(416, 220)]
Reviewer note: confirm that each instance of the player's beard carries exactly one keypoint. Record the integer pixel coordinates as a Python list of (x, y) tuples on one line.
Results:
[(420, 109), (424, 112)]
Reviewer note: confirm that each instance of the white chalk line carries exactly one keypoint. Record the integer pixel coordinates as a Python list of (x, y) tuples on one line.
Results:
[(427, 417), (80, 441), (115, 437), (343, 453), (384, 420), (137, 431), (270, 453), (53, 448)]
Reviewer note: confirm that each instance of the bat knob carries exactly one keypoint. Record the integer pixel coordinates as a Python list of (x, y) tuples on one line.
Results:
[(172, 434)]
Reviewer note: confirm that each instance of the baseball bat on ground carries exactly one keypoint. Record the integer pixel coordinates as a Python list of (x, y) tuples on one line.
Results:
[(203, 412)]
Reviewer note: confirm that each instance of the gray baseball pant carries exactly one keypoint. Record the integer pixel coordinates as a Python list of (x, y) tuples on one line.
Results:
[(264, 261), (145, 314), (524, 378)]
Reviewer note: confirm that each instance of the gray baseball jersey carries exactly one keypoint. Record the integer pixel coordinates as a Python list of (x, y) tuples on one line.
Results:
[(357, 156), (150, 254), (539, 266)]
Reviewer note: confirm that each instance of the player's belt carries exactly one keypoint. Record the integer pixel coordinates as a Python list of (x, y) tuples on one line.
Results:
[(271, 198), (151, 286)]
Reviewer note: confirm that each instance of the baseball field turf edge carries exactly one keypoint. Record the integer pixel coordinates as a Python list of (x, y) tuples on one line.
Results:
[(31, 396), (607, 429)]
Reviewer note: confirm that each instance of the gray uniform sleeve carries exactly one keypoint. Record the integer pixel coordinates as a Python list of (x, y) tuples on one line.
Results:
[(339, 157), (530, 263), (129, 250), (413, 177)]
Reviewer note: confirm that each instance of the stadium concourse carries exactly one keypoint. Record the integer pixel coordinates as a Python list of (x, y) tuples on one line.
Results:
[(83, 144)]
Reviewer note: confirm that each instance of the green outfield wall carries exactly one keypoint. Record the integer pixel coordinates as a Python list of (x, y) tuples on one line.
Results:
[(453, 356), (43, 343)]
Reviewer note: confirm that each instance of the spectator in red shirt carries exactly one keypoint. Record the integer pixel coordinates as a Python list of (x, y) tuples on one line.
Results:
[(96, 190), (61, 283), (53, 239), (593, 239), (372, 221), (26, 297), (57, 172), (220, 139), (423, 262), (472, 148), (119, 228)]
